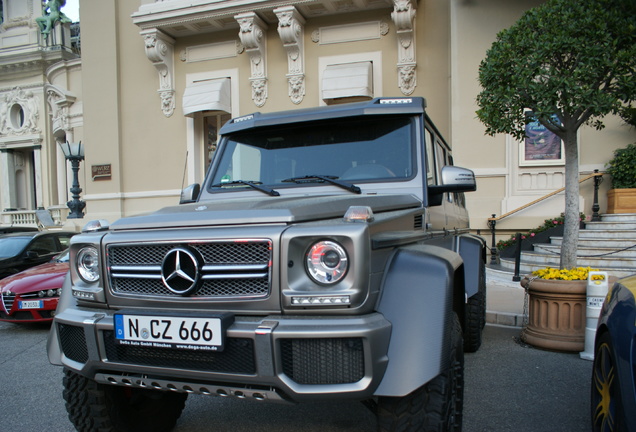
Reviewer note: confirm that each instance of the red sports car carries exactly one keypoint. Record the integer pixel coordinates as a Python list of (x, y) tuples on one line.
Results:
[(32, 295)]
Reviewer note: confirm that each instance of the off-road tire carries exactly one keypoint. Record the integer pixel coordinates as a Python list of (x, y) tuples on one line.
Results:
[(476, 315), (437, 406), (94, 407)]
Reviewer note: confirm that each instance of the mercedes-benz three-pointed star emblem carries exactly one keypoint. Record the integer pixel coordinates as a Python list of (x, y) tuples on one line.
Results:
[(180, 271)]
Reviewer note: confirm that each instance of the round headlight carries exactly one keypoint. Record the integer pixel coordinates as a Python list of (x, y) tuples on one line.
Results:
[(327, 262), (88, 264)]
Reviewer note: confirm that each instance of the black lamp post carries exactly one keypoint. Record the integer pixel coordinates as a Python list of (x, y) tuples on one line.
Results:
[(74, 153)]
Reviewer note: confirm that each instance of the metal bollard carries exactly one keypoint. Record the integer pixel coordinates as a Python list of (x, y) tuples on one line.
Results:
[(596, 293)]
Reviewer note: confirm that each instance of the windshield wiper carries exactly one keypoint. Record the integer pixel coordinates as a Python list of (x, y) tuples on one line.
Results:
[(329, 179), (252, 184)]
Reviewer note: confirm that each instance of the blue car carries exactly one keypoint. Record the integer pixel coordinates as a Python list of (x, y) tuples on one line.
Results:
[(614, 372)]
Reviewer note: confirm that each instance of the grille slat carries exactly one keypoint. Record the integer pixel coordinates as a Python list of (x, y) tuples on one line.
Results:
[(230, 269)]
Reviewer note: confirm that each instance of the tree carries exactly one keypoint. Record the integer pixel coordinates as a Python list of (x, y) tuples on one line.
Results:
[(570, 62)]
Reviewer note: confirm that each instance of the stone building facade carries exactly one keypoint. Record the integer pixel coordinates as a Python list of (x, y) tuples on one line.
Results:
[(158, 78)]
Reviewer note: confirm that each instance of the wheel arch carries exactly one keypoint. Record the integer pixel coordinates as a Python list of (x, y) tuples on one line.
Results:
[(420, 292)]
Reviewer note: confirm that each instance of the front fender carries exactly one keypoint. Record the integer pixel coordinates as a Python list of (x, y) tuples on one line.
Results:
[(417, 298)]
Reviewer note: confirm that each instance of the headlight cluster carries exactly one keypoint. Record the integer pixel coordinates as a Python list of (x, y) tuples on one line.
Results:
[(87, 261), (50, 293), (327, 262)]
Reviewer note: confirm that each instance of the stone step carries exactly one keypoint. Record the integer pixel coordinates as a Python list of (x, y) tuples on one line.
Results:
[(618, 217), (592, 251), (610, 234), (612, 243), (548, 259), (621, 225)]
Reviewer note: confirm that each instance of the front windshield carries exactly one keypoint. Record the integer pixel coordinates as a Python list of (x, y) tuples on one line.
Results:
[(11, 246), (356, 150)]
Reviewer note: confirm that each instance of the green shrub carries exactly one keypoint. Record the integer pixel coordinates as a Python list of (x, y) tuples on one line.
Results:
[(622, 168)]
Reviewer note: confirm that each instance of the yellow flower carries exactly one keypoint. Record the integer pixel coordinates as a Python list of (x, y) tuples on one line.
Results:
[(578, 273)]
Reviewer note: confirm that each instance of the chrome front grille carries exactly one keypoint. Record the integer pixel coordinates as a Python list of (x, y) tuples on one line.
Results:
[(7, 300), (228, 269)]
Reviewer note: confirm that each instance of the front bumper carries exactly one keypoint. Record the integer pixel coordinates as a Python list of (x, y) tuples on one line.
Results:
[(276, 358)]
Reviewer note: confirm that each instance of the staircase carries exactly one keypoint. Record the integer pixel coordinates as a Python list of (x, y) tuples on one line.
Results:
[(608, 245)]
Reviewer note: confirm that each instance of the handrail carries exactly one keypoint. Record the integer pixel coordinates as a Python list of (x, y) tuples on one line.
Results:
[(492, 221)]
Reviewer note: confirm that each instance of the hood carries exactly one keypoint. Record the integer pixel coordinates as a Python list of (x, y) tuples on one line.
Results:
[(42, 277), (264, 210)]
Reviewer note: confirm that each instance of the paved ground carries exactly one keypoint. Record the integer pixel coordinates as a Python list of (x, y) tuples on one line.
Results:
[(509, 387)]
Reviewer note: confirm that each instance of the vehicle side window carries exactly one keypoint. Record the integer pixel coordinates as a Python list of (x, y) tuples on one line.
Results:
[(65, 242), (442, 160), (43, 245), (431, 174)]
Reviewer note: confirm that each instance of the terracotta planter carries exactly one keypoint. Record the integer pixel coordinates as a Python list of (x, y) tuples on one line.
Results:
[(556, 314), (621, 201)]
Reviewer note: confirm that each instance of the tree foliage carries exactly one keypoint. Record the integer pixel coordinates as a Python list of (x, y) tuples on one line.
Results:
[(572, 58)]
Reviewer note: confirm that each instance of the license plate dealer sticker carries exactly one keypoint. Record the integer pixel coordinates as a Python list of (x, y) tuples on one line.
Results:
[(31, 304), (190, 333)]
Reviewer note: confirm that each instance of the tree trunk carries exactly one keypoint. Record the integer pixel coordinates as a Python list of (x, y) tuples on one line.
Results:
[(572, 211)]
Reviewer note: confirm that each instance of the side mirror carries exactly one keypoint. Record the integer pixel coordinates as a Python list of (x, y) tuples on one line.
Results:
[(190, 194), (458, 179), (32, 255), (454, 179)]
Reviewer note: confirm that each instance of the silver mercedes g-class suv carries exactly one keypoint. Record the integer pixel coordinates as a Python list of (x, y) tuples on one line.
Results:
[(325, 256)]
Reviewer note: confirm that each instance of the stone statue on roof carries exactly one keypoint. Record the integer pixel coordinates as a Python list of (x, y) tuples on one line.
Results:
[(51, 14)]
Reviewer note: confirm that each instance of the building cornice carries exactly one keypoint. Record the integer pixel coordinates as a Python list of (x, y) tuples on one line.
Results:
[(180, 18)]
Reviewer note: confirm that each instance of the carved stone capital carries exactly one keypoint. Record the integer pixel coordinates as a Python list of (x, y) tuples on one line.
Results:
[(252, 35), (160, 51), (291, 30), (403, 17)]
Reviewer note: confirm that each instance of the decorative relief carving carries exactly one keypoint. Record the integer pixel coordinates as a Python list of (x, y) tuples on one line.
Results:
[(291, 31), (60, 102), (160, 51), (19, 113), (403, 16), (384, 28), (252, 37)]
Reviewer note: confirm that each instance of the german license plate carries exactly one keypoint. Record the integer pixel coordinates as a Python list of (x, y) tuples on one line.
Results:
[(158, 331), (31, 304)]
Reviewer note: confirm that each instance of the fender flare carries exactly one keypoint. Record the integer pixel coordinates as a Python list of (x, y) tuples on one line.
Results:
[(472, 249), (418, 298)]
